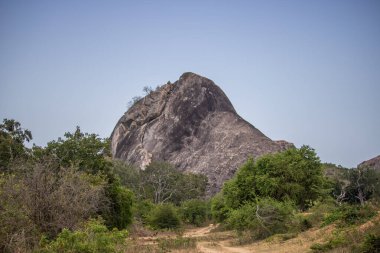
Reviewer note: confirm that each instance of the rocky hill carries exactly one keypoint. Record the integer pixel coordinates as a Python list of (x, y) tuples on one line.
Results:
[(373, 163), (192, 124)]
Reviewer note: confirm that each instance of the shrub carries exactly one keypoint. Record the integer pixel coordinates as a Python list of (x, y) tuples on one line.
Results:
[(194, 212), (37, 199), (264, 218), (93, 238), (142, 209), (371, 244), (348, 214), (119, 213), (320, 210), (219, 210), (338, 239), (164, 216)]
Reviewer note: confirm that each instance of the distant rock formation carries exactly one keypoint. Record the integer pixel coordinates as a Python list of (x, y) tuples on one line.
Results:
[(373, 163), (191, 124)]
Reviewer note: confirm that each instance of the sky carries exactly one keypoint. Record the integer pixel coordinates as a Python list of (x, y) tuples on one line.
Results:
[(303, 71)]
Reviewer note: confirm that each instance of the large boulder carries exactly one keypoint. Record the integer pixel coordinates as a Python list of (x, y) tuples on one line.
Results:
[(191, 124)]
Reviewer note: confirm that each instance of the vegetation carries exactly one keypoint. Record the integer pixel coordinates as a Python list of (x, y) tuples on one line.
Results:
[(94, 237), (164, 216), (71, 196), (160, 182), (178, 243), (195, 212), (293, 175), (12, 138)]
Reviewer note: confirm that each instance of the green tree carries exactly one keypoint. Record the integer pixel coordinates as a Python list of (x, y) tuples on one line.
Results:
[(12, 139), (364, 184), (91, 154), (86, 151), (294, 174)]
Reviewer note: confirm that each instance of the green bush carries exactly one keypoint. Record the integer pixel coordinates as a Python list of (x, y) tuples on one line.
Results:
[(348, 214), (338, 240), (141, 210), (119, 213), (194, 212), (320, 210), (265, 218), (93, 238), (219, 209), (164, 216), (371, 244)]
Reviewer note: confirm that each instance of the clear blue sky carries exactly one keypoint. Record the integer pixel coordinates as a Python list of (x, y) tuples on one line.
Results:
[(304, 71)]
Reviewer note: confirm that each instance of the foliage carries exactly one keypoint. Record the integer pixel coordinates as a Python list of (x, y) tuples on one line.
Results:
[(294, 174), (12, 138), (164, 216), (160, 182), (141, 210), (77, 149), (89, 153), (18, 233), (264, 218), (147, 90), (371, 244), (119, 212), (320, 210), (348, 214), (93, 237), (337, 239), (364, 185), (38, 199), (194, 212), (133, 101), (219, 209)]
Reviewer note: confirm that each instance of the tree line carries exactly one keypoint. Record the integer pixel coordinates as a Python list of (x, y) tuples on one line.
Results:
[(72, 196)]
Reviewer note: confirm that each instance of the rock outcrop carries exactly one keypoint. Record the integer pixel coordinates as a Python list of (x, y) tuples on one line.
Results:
[(373, 163), (191, 124)]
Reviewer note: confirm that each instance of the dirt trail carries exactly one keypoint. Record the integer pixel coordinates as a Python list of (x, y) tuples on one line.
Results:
[(209, 241), (198, 232), (213, 242), (220, 247)]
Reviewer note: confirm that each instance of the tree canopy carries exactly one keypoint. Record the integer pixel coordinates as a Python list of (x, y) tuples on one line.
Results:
[(295, 174)]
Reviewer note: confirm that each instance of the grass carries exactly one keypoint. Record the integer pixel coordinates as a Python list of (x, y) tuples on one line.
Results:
[(176, 243)]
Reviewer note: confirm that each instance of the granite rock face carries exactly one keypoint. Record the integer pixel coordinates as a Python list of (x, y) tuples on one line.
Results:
[(191, 124), (373, 163)]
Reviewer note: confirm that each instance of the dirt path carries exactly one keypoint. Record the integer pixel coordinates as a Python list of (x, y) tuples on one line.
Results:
[(199, 232), (215, 242), (208, 241), (220, 247)]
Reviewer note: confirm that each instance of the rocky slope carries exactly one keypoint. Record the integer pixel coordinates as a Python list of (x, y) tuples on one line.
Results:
[(192, 124), (373, 163)]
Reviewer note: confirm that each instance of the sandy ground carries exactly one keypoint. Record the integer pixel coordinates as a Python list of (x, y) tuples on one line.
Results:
[(225, 242), (209, 241), (301, 243)]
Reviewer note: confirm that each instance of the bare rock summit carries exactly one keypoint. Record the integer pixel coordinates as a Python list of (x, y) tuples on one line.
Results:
[(191, 124)]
